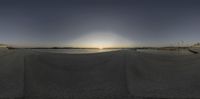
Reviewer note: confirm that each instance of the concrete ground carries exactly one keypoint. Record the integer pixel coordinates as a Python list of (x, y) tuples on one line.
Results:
[(122, 74)]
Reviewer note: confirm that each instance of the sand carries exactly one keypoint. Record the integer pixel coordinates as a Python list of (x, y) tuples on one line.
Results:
[(122, 74)]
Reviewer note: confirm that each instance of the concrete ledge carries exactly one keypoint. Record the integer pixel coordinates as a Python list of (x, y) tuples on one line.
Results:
[(194, 50)]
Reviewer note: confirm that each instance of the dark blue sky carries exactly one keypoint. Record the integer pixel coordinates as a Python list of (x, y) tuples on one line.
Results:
[(102, 22)]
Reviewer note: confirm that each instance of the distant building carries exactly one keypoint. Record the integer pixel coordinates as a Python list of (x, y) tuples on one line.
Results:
[(196, 45)]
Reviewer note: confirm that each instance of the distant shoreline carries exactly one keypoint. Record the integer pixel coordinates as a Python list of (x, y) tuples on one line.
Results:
[(158, 48)]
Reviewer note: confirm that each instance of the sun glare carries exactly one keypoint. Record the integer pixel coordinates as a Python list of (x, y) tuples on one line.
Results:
[(100, 47), (101, 40)]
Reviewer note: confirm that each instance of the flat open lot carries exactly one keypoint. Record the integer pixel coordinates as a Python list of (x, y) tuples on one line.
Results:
[(124, 74)]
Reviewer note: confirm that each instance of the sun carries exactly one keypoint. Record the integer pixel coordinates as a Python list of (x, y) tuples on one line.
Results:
[(101, 40), (100, 47)]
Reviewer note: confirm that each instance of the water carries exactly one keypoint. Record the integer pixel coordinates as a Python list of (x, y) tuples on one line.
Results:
[(174, 52), (82, 51), (75, 51)]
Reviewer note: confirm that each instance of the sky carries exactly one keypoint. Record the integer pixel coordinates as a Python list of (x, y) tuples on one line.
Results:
[(99, 23)]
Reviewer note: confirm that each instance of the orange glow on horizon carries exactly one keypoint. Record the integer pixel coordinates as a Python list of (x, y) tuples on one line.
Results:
[(101, 41), (100, 47)]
